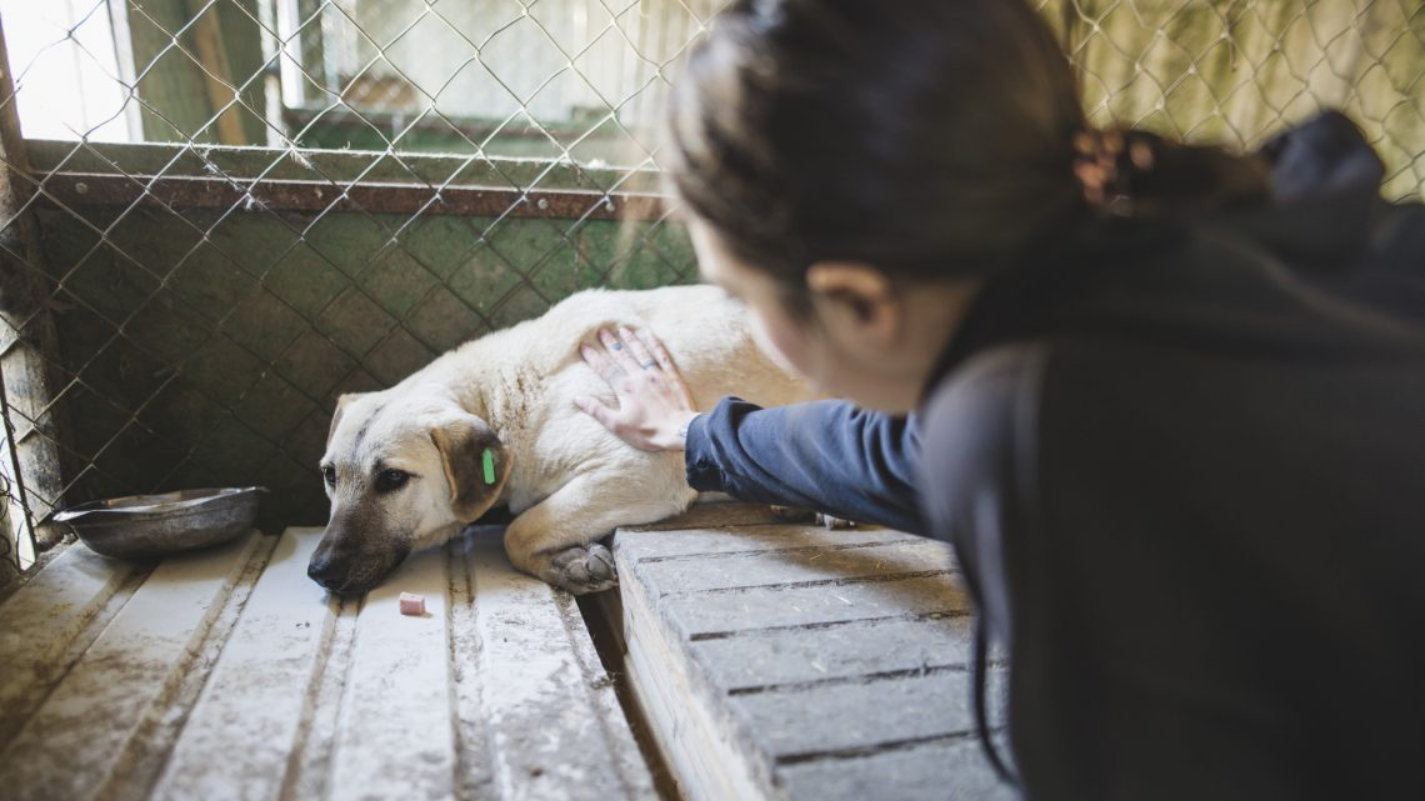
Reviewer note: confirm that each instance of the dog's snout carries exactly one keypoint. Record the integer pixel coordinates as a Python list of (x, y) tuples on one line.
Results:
[(328, 570)]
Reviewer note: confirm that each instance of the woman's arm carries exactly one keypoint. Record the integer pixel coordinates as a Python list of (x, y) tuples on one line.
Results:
[(827, 456)]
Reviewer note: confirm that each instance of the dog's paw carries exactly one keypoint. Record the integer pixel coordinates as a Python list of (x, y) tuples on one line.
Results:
[(582, 569)]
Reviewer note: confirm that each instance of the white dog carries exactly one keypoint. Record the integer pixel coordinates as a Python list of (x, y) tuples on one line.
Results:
[(494, 421)]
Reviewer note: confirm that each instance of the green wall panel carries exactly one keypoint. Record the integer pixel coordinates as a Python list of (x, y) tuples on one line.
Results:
[(207, 348)]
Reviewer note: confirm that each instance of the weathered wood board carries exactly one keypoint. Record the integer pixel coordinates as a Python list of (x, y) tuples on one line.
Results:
[(784, 661), (228, 674)]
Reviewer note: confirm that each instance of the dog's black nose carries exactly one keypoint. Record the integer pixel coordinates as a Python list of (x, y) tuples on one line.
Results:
[(327, 571)]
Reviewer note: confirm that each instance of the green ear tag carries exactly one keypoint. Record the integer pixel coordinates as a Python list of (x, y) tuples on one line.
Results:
[(489, 467)]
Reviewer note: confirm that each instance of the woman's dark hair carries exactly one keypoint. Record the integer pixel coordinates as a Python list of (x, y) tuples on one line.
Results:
[(930, 138)]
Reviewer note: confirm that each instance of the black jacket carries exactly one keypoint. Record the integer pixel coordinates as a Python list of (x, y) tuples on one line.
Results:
[(1183, 466)]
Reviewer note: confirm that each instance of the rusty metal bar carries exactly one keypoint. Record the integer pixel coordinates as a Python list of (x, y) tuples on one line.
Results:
[(81, 189)]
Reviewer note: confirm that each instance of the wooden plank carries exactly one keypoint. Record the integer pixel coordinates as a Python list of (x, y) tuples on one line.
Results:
[(229, 674), (126, 680), (706, 616), (856, 715), (18, 547), (193, 57), (773, 660), (555, 729), (643, 545), (261, 689), (42, 620), (952, 771), (396, 738), (144, 756), (309, 771), (206, 34), (476, 775), (798, 566), (171, 84), (241, 41), (692, 727), (715, 514), (781, 657)]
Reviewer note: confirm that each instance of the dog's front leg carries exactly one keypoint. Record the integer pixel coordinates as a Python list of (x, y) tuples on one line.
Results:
[(557, 538)]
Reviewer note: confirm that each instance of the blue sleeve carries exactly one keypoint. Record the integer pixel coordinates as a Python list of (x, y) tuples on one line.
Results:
[(829, 456)]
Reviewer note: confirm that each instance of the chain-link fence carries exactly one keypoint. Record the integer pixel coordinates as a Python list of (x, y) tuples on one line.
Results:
[(221, 214), (1237, 71), (197, 307)]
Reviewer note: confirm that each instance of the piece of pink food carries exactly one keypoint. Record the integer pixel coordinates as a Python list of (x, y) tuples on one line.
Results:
[(412, 604)]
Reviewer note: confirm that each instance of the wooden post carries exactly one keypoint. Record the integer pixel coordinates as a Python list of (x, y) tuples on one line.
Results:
[(10, 548), (237, 56), (217, 74), (180, 94), (175, 98), (29, 341)]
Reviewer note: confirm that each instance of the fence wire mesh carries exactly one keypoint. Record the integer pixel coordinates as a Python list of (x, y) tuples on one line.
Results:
[(222, 214), (1238, 71)]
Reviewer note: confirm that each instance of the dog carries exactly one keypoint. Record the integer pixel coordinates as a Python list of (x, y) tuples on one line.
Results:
[(493, 422)]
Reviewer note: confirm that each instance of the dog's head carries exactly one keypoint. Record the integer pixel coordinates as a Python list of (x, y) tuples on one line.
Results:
[(402, 472)]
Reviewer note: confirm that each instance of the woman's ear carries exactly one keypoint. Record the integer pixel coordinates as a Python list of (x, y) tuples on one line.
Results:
[(857, 300)]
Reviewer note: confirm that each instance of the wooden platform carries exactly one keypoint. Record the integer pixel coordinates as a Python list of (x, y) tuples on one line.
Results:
[(770, 661), (783, 661), (228, 674)]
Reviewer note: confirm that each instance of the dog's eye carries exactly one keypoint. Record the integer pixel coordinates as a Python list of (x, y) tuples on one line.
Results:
[(329, 475), (388, 480)]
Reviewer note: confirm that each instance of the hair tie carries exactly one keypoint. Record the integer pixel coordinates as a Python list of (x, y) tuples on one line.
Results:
[(1105, 162)]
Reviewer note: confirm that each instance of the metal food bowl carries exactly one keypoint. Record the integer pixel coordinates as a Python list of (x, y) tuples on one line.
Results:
[(145, 526)]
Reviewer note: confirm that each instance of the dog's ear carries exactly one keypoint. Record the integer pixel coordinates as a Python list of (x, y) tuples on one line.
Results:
[(341, 403), (475, 479)]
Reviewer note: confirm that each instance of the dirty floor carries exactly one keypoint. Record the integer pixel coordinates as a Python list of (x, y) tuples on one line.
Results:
[(766, 660), (227, 674)]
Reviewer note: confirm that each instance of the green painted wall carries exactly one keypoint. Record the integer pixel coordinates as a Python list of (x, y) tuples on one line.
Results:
[(208, 349)]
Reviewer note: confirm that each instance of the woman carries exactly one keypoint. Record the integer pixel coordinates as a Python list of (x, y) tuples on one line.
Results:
[(1169, 403)]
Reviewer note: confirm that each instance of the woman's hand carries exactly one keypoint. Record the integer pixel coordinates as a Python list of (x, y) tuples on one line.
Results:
[(655, 405)]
